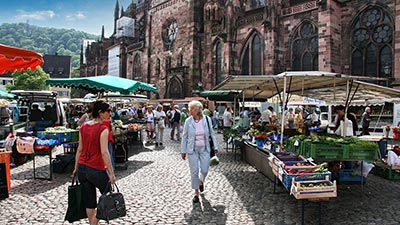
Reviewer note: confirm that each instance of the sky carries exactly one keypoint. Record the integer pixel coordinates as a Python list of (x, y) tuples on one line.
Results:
[(82, 15)]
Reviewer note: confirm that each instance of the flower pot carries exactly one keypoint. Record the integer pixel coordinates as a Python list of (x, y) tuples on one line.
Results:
[(396, 136)]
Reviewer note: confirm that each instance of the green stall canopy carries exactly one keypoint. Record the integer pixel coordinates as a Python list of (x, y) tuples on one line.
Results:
[(5, 94), (104, 83)]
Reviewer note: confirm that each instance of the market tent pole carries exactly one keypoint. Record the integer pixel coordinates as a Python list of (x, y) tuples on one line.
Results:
[(345, 122), (380, 115), (283, 111)]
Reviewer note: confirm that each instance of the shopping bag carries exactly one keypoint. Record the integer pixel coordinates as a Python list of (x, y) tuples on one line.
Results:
[(161, 124), (76, 209), (214, 161), (111, 204)]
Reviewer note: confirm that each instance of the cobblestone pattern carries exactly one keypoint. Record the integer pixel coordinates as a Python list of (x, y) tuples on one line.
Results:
[(156, 187)]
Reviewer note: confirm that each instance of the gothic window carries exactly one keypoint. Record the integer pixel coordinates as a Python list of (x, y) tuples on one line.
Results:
[(180, 61), (137, 68), (256, 56), (169, 33), (372, 47), (158, 68), (305, 48), (167, 64), (218, 62), (252, 56)]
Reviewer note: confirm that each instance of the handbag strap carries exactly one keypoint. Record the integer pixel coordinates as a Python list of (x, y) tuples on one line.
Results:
[(110, 187), (75, 180), (208, 125)]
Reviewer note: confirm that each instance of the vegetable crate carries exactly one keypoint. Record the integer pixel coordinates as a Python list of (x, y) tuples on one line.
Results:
[(287, 177), (74, 136), (314, 189), (290, 145), (386, 171), (363, 153), (326, 151), (62, 137)]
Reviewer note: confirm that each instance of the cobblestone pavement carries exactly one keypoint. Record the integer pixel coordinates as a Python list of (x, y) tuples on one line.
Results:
[(156, 187)]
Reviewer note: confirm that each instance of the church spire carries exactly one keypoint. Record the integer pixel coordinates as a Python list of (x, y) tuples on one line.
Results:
[(102, 32), (122, 11), (116, 16)]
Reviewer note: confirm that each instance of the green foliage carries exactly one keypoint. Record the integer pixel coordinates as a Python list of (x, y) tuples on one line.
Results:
[(29, 80), (45, 40)]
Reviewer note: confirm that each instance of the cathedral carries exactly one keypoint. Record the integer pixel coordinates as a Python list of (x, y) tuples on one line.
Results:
[(186, 46)]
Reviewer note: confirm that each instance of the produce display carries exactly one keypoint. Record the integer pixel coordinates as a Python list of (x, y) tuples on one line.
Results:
[(60, 134), (136, 126), (292, 167), (333, 147), (314, 189)]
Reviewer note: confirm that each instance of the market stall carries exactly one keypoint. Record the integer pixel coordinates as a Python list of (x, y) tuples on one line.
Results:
[(326, 86)]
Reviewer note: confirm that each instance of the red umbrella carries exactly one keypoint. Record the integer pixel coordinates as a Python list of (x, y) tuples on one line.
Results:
[(12, 58)]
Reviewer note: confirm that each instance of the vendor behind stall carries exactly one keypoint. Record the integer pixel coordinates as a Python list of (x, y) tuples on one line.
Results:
[(340, 117)]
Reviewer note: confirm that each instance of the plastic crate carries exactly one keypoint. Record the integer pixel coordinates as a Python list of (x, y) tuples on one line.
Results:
[(287, 178), (360, 153), (326, 151), (62, 137), (74, 135), (348, 176), (386, 171)]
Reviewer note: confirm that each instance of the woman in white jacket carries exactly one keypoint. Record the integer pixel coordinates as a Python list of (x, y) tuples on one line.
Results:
[(196, 146)]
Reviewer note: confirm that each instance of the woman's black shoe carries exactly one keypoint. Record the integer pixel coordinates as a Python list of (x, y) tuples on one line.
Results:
[(201, 188), (195, 199)]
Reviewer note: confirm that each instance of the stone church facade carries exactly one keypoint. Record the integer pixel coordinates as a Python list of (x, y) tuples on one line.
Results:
[(185, 46)]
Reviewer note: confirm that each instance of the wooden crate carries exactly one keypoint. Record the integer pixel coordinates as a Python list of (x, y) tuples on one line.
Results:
[(302, 189)]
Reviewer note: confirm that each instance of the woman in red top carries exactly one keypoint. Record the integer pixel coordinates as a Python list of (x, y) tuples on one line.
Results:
[(93, 159)]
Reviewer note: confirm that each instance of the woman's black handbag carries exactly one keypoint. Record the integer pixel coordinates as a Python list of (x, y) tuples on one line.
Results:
[(111, 204), (212, 151), (76, 209)]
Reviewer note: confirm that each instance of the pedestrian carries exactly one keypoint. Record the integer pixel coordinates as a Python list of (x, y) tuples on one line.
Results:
[(365, 120), (176, 123), (150, 123), (93, 164), (196, 146), (159, 117), (227, 118)]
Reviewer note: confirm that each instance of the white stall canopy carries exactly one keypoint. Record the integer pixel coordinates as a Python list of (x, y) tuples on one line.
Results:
[(329, 87)]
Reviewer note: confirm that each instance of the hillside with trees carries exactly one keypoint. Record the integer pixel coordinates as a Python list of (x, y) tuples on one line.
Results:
[(45, 40)]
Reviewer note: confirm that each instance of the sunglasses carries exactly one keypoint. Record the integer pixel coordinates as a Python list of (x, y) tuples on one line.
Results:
[(107, 110)]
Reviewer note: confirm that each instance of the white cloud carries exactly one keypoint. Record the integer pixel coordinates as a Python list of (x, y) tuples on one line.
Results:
[(76, 16), (35, 15)]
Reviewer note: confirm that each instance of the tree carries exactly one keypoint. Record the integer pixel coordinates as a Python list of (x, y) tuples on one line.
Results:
[(29, 80)]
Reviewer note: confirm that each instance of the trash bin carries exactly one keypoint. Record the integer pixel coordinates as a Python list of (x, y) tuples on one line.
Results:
[(5, 158)]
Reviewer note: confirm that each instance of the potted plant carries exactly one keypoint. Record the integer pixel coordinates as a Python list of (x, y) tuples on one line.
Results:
[(396, 133)]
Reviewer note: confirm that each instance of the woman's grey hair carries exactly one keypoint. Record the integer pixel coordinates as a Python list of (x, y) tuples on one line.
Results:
[(196, 104)]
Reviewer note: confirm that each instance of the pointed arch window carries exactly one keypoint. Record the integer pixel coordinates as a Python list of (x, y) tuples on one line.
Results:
[(158, 69), (372, 44), (137, 68), (252, 57), (305, 48), (218, 62)]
